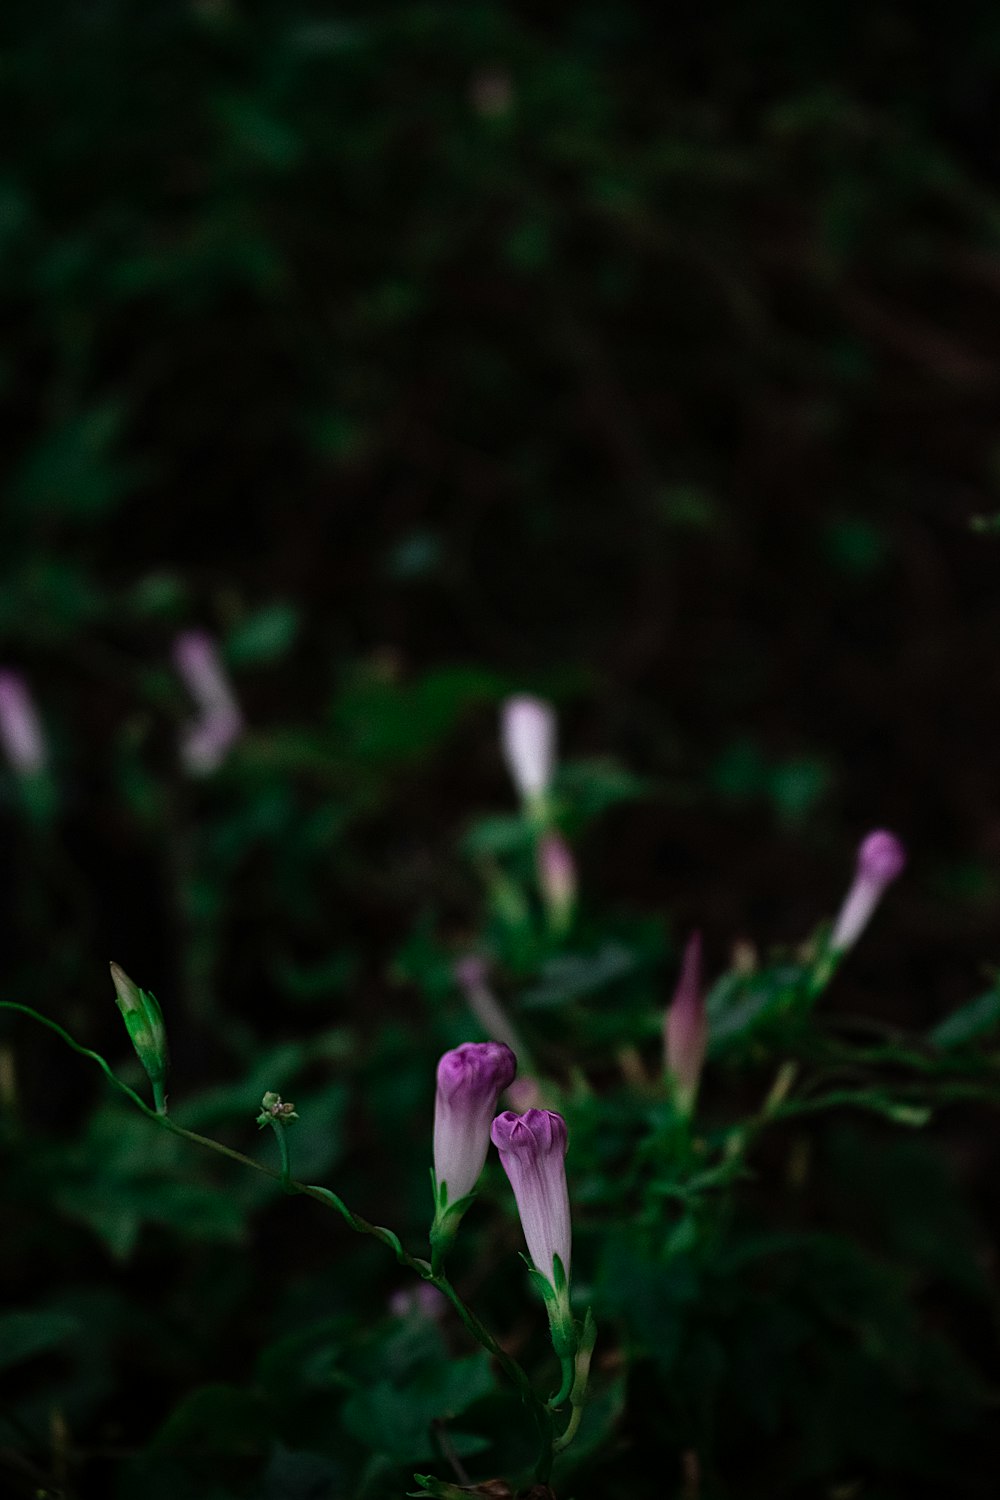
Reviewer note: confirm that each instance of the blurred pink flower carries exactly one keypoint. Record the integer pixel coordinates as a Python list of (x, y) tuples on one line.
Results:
[(20, 727), (881, 859), (206, 740), (557, 878), (685, 1030), (528, 742)]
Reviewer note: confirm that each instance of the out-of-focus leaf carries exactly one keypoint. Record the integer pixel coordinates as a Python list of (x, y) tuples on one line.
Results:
[(740, 1005), (23, 1335), (498, 837), (396, 1419), (265, 636), (975, 1019), (570, 976), (590, 787)]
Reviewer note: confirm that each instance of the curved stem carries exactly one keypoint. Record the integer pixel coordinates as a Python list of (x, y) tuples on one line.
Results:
[(423, 1268), (281, 1136)]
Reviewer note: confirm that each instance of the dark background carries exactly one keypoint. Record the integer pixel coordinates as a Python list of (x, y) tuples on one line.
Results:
[(644, 359)]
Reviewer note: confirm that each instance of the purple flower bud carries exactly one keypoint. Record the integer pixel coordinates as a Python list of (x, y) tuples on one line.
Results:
[(881, 858), (208, 738), (528, 741), (20, 727), (557, 878), (470, 1080), (686, 1028), (532, 1150)]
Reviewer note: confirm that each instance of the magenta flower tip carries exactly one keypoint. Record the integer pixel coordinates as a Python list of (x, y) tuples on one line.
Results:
[(882, 856), (475, 1069), (537, 1132)]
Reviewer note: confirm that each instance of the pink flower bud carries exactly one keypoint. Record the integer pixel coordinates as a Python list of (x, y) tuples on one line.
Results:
[(20, 727), (686, 1028), (532, 1150), (557, 878), (881, 858), (470, 1080), (528, 742), (208, 738)]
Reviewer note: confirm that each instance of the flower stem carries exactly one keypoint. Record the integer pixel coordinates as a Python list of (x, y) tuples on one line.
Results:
[(354, 1221), (281, 1135)]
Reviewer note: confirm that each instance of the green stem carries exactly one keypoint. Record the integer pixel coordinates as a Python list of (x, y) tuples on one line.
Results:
[(281, 1135), (568, 1371), (354, 1221), (569, 1433)]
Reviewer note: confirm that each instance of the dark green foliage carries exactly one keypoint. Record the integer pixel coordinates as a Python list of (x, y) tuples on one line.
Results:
[(425, 353)]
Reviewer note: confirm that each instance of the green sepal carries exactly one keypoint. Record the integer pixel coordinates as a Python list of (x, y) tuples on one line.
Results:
[(555, 1294), (438, 1489), (447, 1217)]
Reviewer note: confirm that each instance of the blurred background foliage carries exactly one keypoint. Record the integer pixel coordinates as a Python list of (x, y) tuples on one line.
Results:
[(423, 353)]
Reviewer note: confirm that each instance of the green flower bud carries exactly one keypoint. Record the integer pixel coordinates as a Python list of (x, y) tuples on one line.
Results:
[(144, 1023), (274, 1112)]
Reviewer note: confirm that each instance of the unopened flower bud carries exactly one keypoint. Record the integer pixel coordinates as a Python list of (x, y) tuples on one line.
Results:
[(274, 1111), (532, 1151), (528, 742), (470, 1079), (144, 1023), (20, 727), (686, 1029), (208, 738), (881, 859), (557, 879)]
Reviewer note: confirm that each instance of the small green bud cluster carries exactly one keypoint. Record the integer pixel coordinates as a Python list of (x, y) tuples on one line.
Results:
[(274, 1112)]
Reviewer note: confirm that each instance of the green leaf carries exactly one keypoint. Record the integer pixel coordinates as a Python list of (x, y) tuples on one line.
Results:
[(217, 1419), (23, 1335), (395, 1419), (570, 976), (265, 636), (739, 1006), (969, 1022), (497, 837)]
